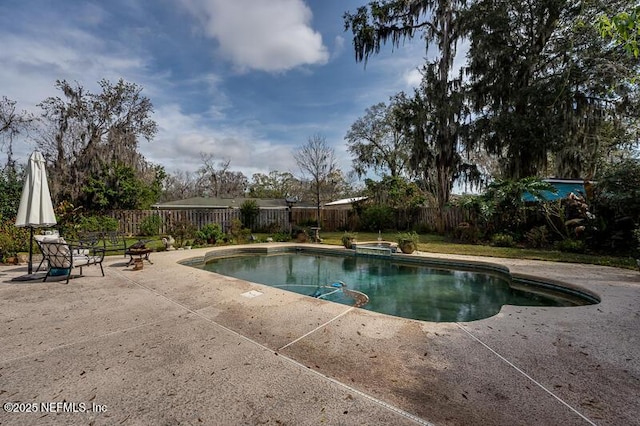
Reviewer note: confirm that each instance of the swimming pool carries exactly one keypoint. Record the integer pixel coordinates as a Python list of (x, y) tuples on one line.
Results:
[(398, 287)]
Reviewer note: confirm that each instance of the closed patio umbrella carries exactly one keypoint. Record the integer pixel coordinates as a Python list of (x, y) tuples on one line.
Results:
[(36, 208)]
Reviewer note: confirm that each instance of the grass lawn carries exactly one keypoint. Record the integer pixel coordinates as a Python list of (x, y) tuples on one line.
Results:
[(438, 244)]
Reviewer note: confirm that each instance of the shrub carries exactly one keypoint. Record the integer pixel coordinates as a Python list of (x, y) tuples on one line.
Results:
[(537, 237), (636, 235), (571, 246), (408, 241), (210, 233), (466, 233), (408, 236), (109, 223), (272, 228), (281, 237), (377, 218), (307, 223), (181, 231), (13, 239), (348, 238), (97, 223), (300, 235), (151, 225), (502, 240), (249, 211), (69, 218), (240, 235)]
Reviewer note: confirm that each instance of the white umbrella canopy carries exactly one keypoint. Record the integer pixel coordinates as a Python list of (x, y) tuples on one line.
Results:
[(36, 208)]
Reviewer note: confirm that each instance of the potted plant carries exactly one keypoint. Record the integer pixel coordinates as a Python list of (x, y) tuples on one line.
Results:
[(408, 241), (349, 239)]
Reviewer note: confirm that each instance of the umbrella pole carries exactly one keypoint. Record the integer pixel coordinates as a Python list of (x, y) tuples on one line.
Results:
[(30, 267)]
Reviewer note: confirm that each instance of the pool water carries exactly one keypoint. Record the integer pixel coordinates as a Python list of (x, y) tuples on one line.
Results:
[(394, 288)]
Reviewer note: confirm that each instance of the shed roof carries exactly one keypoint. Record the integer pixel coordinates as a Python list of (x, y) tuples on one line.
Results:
[(345, 201), (563, 187), (219, 203)]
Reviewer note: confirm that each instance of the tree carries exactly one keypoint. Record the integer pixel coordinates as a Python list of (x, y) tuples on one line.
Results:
[(317, 163), (377, 140), (83, 133), (507, 204), (179, 186), (618, 189), (438, 111), (116, 187), (501, 88), (543, 86), (12, 123), (216, 180), (623, 28), (616, 204), (274, 185), (249, 212), (391, 202), (11, 183)]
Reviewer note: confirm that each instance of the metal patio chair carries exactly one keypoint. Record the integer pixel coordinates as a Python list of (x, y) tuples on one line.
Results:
[(62, 257)]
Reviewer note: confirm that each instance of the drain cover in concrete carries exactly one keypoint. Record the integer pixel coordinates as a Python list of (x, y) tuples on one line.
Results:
[(251, 294)]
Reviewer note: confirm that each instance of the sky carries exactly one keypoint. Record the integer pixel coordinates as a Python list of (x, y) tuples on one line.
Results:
[(248, 81)]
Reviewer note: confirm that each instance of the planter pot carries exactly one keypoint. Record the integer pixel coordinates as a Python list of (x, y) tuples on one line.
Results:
[(349, 243), (407, 247)]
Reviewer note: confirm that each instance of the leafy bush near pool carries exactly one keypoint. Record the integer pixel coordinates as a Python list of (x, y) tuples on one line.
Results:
[(210, 233), (151, 225), (13, 239), (98, 223), (376, 218), (281, 237), (466, 233), (249, 211), (238, 232), (537, 237), (571, 246), (300, 235), (502, 240), (182, 230)]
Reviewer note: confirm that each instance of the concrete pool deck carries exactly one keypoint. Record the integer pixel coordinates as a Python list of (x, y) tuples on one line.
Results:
[(171, 344)]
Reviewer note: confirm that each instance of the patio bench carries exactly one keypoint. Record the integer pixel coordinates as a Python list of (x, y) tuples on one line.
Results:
[(111, 241), (115, 241)]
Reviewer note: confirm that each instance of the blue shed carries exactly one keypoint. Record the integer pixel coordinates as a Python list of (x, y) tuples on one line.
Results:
[(564, 187)]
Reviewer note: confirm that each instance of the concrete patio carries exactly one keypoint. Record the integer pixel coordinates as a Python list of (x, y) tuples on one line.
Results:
[(171, 344)]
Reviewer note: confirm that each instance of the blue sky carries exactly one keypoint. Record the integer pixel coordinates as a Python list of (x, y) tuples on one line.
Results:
[(248, 81)]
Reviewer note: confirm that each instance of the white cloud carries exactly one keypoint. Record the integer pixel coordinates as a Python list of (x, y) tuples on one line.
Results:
[(183, 137), (271, 36), (197, 102), (413, 77), (338, 46), (32, 63)]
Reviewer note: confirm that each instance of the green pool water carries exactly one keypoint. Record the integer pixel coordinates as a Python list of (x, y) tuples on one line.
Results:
[(394, 288)]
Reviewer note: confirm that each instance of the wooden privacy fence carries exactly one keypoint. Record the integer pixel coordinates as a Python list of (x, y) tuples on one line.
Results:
[(276, 220), (130, 220), (344, 219)]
